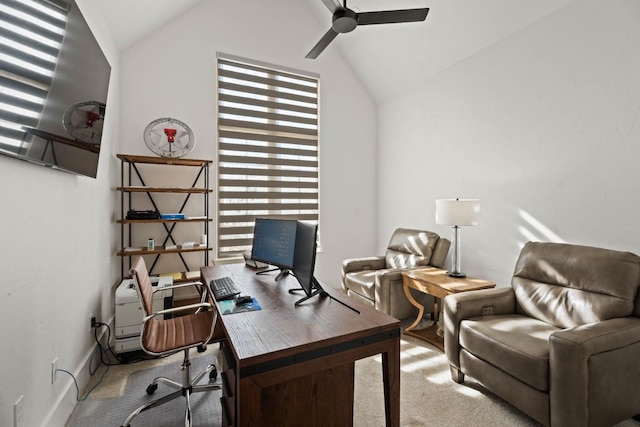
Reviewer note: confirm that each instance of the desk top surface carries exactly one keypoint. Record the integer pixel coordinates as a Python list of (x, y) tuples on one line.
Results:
[(282, 329)]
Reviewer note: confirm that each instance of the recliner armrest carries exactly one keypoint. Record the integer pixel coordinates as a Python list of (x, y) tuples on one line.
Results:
[(367, 263), (465, 305), (576, 359), (360, 264), (386, 281), (440, 252)]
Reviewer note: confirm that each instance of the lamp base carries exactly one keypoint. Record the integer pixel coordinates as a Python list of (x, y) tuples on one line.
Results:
[(454, 274)]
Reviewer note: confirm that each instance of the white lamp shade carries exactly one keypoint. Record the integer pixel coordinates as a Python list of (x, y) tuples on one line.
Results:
[(458, 212)]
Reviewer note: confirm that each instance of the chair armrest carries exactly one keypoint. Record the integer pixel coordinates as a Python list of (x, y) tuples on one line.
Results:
[(390, 295), (440, 252), (388, 275), (601, 353), (189, 307), (360, 264), (465, 305), (386, 281)]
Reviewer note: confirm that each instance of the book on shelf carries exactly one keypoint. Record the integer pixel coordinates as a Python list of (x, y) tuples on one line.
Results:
[(191, 275), (176, 276)]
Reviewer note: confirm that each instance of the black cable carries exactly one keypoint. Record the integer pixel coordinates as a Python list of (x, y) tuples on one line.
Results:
[(121, 361), (102, 349)]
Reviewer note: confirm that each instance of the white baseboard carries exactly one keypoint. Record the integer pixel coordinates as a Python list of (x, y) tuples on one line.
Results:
[(63, 407)]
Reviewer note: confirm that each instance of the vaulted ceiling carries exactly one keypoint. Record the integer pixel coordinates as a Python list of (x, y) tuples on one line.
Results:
[(385, 57)]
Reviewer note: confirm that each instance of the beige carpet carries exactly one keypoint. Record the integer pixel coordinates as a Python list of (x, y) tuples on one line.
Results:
[(428, 396)]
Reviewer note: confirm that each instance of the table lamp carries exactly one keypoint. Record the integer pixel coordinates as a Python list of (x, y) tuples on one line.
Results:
[(457, 213)]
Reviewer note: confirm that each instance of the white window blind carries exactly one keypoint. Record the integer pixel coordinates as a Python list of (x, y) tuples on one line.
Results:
[(31, 34), (267, 149)]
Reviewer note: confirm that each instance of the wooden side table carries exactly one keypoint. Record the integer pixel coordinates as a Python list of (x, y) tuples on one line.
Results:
[(435, 282)]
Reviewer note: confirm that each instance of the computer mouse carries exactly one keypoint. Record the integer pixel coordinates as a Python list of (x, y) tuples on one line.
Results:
[(243, 299)]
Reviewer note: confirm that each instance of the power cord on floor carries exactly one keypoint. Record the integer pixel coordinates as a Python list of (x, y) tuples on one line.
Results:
[(103, 351), (91, 372)]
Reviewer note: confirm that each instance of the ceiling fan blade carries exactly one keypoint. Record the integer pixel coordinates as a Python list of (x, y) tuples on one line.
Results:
[(332, 5), (322, 44), (392, 16)]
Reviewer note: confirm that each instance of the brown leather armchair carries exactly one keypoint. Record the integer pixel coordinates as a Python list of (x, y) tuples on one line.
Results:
[(562, 344), (377, 280)]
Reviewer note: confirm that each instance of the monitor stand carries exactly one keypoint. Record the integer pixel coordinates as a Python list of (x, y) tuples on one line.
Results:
[(283, 272), (318, 290)]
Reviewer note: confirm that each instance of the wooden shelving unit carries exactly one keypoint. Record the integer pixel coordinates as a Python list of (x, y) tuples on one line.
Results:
[(200, 187)]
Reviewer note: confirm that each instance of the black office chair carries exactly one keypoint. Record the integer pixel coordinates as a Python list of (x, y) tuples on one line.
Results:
[(195, 327)]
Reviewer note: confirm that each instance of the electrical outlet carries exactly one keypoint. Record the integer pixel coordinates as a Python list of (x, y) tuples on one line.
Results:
[(487, 311), (18, 413), (54, 370), (92, 322)]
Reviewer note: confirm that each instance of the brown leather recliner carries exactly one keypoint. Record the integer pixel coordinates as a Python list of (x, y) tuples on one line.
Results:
[(377, 280), (562, 344)]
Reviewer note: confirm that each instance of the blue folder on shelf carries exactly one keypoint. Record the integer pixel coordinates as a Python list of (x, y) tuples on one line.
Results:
[(173, 216)]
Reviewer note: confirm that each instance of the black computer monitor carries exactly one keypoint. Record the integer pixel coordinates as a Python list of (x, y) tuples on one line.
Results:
[(274, 242), (304, 259)]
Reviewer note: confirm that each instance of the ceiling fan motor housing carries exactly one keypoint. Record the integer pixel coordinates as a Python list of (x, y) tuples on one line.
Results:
[(344, 21)]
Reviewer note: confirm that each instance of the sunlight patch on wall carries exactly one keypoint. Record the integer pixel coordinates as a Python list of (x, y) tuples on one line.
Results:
[(535, 230)]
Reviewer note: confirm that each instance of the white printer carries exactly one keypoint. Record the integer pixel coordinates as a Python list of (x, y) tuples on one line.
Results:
[(128, 321)]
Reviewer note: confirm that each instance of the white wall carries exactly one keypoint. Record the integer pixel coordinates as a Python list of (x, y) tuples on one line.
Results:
[(57, 268), (58, 261), (543, 126), (172, 72)]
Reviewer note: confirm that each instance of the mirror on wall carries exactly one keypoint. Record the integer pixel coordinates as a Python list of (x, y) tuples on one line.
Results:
[(54, 79)]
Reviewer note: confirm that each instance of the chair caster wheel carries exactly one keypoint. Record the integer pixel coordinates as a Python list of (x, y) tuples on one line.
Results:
[(151, 389), (213, 375)]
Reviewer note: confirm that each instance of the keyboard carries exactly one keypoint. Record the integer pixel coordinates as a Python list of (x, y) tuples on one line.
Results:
[(224, 288)]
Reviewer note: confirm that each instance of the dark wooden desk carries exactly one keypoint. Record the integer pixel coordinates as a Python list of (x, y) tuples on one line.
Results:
[(289, 366)]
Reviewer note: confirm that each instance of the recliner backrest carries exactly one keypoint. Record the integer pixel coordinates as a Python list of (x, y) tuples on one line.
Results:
[(410, 248), (570, 285)]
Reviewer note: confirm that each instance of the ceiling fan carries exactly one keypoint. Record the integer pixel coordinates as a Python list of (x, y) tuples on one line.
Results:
[(346, 20)]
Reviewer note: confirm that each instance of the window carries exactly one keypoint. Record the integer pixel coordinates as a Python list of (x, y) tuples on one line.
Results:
[(31, 36), (267, 149)]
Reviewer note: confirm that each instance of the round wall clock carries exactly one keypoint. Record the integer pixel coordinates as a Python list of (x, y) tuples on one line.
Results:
[(169, 137), (84, 121)]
